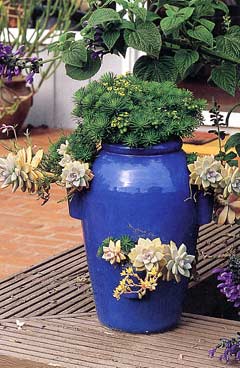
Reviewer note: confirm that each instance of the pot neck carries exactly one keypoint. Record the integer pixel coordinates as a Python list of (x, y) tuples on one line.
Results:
[(158, 149)]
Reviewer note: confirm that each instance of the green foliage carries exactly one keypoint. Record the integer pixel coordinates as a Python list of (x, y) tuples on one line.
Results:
[(177, 36), (145, 37), (191, 157), (129, 111), (126, 244), (51, 160), (233, 142)]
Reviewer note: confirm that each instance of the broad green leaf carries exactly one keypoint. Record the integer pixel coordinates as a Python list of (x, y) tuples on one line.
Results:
[(146, 38), (233, 163), (150, 69), (66, 36), (237, 148), (203, 9), (76, 54), (151, 17), (201, 33), (110, 38), (171, 10), (232, 141), (184, 59), (87, 71), (126, 24), (229, 44), (225, 77), (207, 23), (141, 13), (230, 156), (103, 15), (234, 30), (220, 5), (172, 23)]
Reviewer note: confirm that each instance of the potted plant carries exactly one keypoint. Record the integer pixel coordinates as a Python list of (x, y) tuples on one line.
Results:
[(138, 194), (15, 96), (125, 173)]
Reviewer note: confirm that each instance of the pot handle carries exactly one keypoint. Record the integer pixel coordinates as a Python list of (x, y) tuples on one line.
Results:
[(75, 205), (204, 207)]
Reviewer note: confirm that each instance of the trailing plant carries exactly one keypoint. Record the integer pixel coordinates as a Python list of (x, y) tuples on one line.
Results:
[(176, 36), (145, 263)]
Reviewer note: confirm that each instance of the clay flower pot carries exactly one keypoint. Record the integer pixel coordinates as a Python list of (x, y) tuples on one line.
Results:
[(15, 102)]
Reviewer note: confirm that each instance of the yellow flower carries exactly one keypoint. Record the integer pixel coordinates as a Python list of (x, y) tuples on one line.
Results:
[(113, 252)]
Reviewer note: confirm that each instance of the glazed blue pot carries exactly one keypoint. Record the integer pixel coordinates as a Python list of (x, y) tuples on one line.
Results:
[(140, 193)]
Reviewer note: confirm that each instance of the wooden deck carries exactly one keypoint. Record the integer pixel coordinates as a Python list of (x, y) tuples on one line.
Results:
[(54, 300)]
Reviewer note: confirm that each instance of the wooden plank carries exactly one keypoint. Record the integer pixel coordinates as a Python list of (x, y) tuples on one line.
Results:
[(81, 341), (10, 362), (51, 287)]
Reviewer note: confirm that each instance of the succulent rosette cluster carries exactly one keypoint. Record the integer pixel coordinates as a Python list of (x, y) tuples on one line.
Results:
[(145, 262), (222, 181), (21, 170), (75, 174), (29, 171)]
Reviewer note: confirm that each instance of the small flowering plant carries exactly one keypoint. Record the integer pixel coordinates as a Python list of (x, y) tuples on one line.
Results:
[(144, 263), (229, 285)]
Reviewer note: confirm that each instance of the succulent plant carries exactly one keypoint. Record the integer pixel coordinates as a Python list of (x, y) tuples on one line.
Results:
[(62, 150), (179, 262), (206, 172), (21, 170), (225, 184), (147, 254), (229, 210), (113, 253), (76, 174), (235, 181)]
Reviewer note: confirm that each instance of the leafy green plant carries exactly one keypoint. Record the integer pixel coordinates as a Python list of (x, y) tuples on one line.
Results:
[(129, 111), (177, 36)]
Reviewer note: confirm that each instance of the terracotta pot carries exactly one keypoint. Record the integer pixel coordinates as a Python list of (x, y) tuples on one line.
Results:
[(15, 90)]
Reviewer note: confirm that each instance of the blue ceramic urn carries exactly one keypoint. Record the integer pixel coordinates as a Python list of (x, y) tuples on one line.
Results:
[(141, 193)]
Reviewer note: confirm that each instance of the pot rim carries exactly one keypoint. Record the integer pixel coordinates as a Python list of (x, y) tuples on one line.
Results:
[(173, 145)]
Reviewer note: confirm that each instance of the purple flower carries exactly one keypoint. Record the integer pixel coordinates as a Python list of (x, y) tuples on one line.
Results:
[(231, 349), (29, 78), (212, 352)]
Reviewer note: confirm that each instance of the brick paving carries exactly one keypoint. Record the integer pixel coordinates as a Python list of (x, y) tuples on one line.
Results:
[(29, 232)]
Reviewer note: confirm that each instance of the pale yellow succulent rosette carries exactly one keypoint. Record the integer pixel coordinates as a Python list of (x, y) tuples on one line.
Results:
[(21, 170), (157, 260), (148, 254), (205, 172), (113, 253)]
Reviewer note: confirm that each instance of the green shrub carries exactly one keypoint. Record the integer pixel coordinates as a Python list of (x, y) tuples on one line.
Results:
[(132, 112)]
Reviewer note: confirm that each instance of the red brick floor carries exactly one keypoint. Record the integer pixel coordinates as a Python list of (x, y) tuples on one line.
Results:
[(30, 232)]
